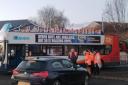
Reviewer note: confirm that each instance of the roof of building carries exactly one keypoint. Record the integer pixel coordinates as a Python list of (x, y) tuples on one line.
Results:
[(109, 28)]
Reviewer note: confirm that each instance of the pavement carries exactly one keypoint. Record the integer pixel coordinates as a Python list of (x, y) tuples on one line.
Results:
[(114, 73), (5, 79)]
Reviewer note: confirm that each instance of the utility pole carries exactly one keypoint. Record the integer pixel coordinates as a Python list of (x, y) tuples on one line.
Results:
[(102, 24)]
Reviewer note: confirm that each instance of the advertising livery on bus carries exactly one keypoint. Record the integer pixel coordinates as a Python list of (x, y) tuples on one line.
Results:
[(16, 46)]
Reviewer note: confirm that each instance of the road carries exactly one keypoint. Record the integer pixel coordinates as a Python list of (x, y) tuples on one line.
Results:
[(5, 80), (107, 82)]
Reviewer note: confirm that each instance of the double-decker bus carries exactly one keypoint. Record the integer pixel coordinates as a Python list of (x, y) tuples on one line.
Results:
[(16, 46)]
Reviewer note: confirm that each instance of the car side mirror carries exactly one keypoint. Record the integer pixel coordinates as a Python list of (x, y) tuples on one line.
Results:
[(78, 66), (69, 66)]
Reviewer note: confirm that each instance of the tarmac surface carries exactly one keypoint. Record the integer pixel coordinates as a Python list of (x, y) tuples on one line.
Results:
[(108, 76), (5, 80), (97, 81), (114, 73)]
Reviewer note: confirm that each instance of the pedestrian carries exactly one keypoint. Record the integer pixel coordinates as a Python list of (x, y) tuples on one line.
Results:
[(73, 55), (97, 63), (88, 61), (92, 61)]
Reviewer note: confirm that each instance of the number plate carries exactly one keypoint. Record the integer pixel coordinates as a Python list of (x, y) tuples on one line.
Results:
[(23, 83)]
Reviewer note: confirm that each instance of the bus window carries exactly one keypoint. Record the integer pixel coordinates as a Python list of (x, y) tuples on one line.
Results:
[(69, 47), (82, 48), (105, 49), (63, 50), (44, 50), (35, 50), (55, 50), (123, 46)]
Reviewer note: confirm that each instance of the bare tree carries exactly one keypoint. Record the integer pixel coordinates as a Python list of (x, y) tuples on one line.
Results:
[(115, 13), (50, 17)]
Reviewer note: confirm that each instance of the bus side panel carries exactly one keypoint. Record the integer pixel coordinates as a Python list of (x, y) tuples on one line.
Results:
[(114, 56)]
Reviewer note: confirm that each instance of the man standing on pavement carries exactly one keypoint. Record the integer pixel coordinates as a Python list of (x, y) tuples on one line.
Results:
[(73, 55)]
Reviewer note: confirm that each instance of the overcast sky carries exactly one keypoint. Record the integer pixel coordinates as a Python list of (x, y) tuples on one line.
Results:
[(78, 11)]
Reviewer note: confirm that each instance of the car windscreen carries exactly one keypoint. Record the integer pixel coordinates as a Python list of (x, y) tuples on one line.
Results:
[(32, 66)]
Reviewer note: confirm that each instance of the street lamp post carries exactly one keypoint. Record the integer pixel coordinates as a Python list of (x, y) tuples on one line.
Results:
[(102, 24)]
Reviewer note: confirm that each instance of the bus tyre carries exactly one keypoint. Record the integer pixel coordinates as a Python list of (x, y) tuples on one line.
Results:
[(86, 80), (56, 82)]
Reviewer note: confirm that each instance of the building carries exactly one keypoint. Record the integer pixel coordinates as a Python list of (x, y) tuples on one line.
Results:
[(107, 28)]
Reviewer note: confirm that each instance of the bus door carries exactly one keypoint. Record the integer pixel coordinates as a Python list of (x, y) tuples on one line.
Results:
[(16, 53), (2, 53)]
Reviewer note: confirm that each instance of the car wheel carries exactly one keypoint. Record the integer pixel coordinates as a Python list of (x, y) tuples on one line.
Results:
[(86, 80), (56, 82)]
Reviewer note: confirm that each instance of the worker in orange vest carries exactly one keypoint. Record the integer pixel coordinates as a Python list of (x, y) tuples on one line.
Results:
[(88, 61), (92, 61), (97, 63)]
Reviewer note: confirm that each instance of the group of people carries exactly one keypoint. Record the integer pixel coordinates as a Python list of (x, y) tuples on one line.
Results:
[(93, 61)]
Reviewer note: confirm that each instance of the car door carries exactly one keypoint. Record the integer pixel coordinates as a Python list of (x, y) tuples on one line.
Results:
[(58, 71), (77, 74), (70, 70), (80, 74)]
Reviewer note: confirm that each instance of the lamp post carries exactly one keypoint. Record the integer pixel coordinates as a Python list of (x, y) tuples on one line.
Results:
[(102, 24)]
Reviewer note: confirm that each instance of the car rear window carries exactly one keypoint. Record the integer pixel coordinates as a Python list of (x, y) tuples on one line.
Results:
[(32, 66), (57, 65)]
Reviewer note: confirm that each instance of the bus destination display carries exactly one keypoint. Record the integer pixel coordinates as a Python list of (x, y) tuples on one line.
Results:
[(58, 38)]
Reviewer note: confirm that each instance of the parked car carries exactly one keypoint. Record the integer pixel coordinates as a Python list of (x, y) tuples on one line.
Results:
[(49, 71)]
